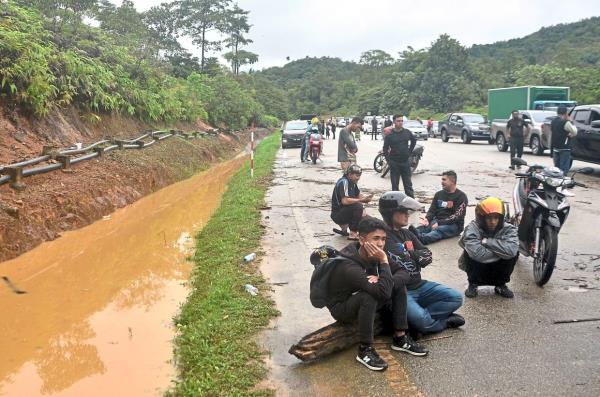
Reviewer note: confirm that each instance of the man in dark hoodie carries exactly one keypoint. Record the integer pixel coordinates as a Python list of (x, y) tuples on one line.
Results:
[(361, 285), (446, 215), (430, 306)]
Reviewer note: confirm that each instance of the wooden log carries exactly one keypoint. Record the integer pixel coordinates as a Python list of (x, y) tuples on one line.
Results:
[(329, 339)]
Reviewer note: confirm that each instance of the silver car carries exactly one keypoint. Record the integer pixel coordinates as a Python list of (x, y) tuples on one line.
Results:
[(419, 130)]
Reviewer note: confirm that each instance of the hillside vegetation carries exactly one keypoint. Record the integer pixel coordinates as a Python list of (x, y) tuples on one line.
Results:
[(446, 76)]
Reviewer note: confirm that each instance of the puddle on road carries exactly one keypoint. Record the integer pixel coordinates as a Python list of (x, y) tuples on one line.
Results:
[(97, 316)]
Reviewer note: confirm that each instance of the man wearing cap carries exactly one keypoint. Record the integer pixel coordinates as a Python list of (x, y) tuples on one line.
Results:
[(347, 202)]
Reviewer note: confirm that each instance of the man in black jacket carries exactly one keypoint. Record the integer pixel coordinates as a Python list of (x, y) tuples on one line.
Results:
[(446, 215), (563, 131), (397, 147), (361, 285), (430, 306)]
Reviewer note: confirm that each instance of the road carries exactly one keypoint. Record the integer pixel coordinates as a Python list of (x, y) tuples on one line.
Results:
[(507, 347)]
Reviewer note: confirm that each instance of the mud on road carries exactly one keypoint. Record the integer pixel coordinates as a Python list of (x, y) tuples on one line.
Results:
[(507, 347)]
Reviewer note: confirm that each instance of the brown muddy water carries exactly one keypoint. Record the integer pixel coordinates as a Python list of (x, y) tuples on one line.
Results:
[(96, 318)]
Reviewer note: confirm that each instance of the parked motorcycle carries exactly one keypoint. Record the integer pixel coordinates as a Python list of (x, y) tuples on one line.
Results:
[(315, 146), (541, 209), (381, 165)]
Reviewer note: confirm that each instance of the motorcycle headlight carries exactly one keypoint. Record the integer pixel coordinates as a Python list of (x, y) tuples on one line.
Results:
[(554, 182)]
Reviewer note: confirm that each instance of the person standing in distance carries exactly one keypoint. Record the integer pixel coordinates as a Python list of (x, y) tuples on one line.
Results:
[(347, 145), (397, 147), (514, 133), (563, 131)]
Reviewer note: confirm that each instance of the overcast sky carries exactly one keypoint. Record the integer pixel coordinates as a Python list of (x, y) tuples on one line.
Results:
[(346, 28)]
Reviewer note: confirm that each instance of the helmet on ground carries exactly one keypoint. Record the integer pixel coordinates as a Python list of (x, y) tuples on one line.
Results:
[(489, 206), (353, 169), (315, 120), (393, 201)]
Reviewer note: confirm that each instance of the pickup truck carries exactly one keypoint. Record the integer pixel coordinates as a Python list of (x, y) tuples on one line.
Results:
[(467, 126), (586, 145), (535, 139)]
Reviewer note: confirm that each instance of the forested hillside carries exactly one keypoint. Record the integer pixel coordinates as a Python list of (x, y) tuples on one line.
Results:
[(103, 58), (446, 76)]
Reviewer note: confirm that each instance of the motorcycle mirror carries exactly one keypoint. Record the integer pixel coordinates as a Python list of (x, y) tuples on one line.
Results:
[(518, 161), (585, 171)]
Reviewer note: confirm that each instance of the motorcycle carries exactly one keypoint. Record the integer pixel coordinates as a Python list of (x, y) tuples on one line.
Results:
[(380, 164), (315, 146), (540, 210)]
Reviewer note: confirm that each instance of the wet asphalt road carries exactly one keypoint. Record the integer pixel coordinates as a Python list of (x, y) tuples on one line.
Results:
[(507, 347)]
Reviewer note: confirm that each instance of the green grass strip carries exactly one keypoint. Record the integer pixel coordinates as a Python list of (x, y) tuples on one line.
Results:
[(215, 348)]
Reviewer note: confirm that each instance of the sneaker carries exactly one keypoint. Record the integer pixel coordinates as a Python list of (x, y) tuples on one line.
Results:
[(503, 291), (455, 321), (368, 357), (405, 344), (471, 291)]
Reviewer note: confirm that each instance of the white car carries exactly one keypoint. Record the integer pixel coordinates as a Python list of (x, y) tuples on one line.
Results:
[(418, 129)]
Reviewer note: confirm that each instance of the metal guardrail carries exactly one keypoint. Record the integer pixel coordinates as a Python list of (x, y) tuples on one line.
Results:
[(15, 172)]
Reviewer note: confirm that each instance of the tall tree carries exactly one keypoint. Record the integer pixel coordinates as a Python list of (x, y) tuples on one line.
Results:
[(199, 20), (376, 58), (235, 27)]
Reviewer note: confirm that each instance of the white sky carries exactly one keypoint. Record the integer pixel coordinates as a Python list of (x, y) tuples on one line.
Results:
[(346, 28)]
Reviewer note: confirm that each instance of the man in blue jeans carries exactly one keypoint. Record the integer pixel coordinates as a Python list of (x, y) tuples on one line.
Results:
[(446, 215), (430, 306)]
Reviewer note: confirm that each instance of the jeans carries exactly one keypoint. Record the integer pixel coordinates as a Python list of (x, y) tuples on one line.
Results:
[(494, 273), (516, 147), (348, 215), (428, 235), (562, 160), (401, 169), (430, 305)]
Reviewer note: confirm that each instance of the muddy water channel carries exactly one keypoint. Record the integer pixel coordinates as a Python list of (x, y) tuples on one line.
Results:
[(96, 318)]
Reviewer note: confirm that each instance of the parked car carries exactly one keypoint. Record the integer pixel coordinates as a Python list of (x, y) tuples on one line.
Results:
[(419, 130), (293, 132), (535, 139), (586, 145), (467, 126)]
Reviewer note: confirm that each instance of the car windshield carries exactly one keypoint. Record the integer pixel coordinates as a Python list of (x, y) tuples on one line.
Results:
[(539, 117), (412, 124), (474, 118), (296, 125)]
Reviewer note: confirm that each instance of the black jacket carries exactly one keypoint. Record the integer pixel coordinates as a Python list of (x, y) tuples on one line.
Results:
[(350, 276), (398, 145), (407, 256)]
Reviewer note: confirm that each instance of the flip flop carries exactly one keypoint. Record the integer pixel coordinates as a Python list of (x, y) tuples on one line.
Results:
[(341, 232)]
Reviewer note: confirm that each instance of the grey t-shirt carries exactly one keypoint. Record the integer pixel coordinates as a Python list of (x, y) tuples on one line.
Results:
[(346, 143)]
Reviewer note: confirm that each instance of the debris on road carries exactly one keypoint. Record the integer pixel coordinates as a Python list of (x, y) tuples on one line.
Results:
[(12, 286), (580, 320), (251, 289), (250, 257)]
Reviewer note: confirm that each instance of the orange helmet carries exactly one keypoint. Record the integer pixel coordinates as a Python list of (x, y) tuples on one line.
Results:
[(488, 206)]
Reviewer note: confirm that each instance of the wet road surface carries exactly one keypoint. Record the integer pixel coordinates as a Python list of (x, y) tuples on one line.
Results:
[(507, 347), (96, 318)]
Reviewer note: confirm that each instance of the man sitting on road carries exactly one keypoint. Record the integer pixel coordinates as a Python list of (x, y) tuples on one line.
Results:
[(347, 203), (361, 285), (491, 249), (430, 306), (347, 144), (446, 215)]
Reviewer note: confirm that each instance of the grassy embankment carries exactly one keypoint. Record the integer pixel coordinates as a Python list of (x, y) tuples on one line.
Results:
[(215, 349)]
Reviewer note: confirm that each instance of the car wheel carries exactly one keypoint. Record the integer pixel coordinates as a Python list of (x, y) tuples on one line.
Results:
[(501, 143), (445, 136), (465, 137), (536, 146)]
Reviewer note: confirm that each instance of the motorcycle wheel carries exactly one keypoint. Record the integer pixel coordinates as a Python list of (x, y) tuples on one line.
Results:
[(414, 164), (543, 265), (379, 162), (313, 156)]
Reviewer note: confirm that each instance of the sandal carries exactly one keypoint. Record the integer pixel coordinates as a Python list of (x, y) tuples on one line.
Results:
[(341, 232)]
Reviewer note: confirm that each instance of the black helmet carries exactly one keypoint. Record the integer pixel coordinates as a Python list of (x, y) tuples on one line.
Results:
[(396, 201), (353, 169), (323, 253)]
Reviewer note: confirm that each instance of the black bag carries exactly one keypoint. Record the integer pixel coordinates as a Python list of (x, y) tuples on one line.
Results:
[(324, 259)]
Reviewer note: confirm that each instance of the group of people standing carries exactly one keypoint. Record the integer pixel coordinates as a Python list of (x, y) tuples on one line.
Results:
[(380, 270)]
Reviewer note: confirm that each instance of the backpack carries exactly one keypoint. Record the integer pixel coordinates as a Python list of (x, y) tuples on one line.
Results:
[(325, 258)]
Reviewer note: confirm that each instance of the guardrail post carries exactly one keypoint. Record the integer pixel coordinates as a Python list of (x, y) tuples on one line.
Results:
[(140, 144), (99, 150), (16, 177), (65, 161), (51, 151)]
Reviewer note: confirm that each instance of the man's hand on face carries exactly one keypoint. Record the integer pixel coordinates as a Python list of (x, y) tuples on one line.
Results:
[(373, 279), (374, 252)]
